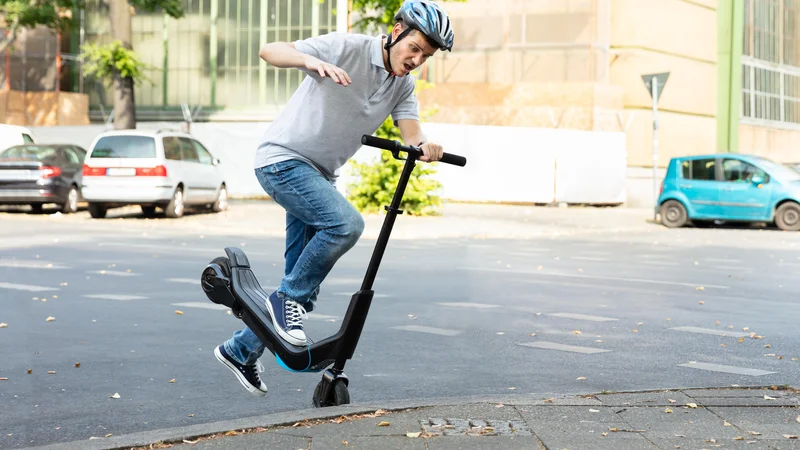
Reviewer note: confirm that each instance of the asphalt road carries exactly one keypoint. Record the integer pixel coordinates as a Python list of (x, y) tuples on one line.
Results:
[(564, 313)]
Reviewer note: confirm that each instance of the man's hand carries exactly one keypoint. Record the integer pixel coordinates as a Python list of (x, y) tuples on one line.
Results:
[(431, 152), (324, 69)]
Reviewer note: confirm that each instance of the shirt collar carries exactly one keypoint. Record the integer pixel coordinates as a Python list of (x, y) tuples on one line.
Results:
[(377, 52)]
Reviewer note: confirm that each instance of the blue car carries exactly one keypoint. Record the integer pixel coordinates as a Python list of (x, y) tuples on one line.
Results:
[(729, 187)]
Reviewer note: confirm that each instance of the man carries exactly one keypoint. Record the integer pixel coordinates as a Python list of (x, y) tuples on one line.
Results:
[(354, 83)]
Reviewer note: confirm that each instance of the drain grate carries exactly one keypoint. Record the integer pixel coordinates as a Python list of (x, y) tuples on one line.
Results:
[(475, 427)]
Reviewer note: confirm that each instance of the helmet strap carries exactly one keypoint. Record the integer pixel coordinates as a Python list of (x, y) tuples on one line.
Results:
[(389, 44)]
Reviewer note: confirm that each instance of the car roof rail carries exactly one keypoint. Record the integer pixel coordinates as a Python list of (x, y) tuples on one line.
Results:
[(168, 130)]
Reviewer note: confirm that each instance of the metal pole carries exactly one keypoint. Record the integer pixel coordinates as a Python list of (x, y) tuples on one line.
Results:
[(165, 62), (212, 51), (654, 89)]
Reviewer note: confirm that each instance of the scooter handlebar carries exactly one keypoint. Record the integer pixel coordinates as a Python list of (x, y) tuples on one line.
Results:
[(386, 144)]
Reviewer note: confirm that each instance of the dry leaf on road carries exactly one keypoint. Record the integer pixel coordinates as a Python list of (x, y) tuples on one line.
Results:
[(178, 312), (413, 435), (384, 424), (580, 378), (172, 380), (50, 319), (576, 332), (3, 325), (672, 401), (767, 397), (790, 436), (668, 410), (692, 405), (116, 395)]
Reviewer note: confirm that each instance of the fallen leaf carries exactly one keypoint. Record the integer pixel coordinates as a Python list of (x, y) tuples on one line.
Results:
[(700, 288), (116, 395), (798, 419), (413, 435), (668, 411), (768, 346), (77, 365), (172, 380), (723, 345), (738, 438), (605, 434), (692, 405), (725, 423), (700, 302), (672, 401), (383, 424), (3, 325), (532, 334), (512, 389), (109, 435), (754, 433), (790, 436), (550, 400), (741, 340), (576, 332), (500, 333), (769, 354), (191, 415), (746, 329), (499, 405), (186, 441), (178, 312), (580, 378), (614, 430), (3, 379), (344, 443), (718, 322), (30, 371), (50, 319), (594, 410), (767, 397), (51, 372)]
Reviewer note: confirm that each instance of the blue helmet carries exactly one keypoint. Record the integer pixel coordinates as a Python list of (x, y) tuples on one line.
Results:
[(427, 17)]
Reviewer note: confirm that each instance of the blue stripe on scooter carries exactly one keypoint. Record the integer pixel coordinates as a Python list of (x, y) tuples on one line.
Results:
[(282, 364)]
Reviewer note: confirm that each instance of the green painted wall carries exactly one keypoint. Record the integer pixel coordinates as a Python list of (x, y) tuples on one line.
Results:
[(730, 35)]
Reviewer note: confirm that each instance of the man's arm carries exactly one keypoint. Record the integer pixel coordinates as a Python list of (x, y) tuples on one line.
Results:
[(411, 132), (285, 55)]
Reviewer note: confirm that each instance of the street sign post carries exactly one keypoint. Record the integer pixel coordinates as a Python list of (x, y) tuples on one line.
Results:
[(655, 85)]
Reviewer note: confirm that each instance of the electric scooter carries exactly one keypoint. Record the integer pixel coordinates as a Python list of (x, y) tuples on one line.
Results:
[(229, 281)]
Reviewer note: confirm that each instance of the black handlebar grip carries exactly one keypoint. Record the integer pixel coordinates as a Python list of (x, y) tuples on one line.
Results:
[(373, 141), (455, 160)]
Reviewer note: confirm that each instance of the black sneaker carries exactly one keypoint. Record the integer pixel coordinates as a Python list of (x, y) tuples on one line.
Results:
[(287, 316), (247, 375)]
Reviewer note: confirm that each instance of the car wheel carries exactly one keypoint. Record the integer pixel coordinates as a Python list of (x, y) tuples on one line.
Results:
[(175, 207), (787, 217), (71, 204), (221, 204), (148, 211), (97, 210), (673, 214)]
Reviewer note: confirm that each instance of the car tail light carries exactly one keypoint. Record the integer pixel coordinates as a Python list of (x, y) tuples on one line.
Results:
[(661, 191), (157, 171), (50, 171), (93, 171)]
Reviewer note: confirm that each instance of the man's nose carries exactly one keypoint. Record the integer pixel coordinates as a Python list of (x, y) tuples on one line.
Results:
[(418, 60)]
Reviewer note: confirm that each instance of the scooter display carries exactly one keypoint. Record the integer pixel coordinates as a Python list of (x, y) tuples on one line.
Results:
[(229, 281)]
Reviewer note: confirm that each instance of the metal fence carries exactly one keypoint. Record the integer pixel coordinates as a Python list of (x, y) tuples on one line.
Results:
[(771, 63)]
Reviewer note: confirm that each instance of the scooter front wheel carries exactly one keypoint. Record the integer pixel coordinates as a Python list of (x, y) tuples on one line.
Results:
[(338, 394)]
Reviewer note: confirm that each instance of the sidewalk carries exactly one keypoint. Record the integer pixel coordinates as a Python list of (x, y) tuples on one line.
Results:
[(733, 418)]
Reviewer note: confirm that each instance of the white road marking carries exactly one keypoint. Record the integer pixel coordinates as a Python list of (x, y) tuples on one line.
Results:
[(202, 305), (116, 273), (711, 331), (658, 263), (184, 280), (350, 294), (431, 330), (116, 297), (26, 287), (725, 369), (469, 305), (582, 317), (31, 264), (588, 258), (723, 260), (593, 277), (563, 347)]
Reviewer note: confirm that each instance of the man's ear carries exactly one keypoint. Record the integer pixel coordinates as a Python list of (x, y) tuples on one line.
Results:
[(396, 30)]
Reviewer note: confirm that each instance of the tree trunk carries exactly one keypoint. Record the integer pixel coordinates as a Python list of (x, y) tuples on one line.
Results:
[(124, 106)]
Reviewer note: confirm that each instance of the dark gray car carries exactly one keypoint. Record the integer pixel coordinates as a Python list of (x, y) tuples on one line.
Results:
[(37, 174)]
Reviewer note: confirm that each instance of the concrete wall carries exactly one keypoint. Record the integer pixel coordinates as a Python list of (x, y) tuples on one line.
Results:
[(782, 145)]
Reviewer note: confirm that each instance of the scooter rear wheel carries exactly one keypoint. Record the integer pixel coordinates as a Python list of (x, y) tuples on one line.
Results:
[(338, 395)]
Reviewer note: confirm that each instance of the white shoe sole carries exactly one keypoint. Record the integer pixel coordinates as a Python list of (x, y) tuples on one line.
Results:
[(239, 376), (286, 336)]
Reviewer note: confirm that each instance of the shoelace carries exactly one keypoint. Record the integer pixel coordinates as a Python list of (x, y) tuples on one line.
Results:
[(295, 313), (258, 370)]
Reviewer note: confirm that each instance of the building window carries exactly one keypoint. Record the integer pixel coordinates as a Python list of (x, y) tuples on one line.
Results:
[(771, 63)]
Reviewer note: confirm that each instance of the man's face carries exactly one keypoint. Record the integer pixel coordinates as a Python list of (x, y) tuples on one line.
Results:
[(411, 52)]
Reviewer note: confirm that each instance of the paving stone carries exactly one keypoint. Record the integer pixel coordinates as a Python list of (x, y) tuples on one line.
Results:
[(690, 422), (735, 393), (399, 425), (483, 411), (538, 415), (483, 442), (368, 443), (745, 401), (576, 435), (695, 443)]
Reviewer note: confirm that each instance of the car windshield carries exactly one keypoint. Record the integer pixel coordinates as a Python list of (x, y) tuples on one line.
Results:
[(28, 153), (125, 147), (778, 170)]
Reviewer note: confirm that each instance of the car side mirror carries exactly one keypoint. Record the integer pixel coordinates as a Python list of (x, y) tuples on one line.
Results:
[(217, 161), (757, 179)]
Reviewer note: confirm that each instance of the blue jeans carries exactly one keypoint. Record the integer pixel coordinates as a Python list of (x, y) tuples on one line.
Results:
[(321, 226)]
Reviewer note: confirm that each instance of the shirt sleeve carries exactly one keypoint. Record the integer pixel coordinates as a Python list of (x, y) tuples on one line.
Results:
[(326, 47), (407, 107)]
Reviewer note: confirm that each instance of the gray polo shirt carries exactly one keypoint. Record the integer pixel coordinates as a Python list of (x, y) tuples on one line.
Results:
[(323, 122)]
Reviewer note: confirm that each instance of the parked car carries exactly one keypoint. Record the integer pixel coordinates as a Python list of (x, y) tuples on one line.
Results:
[(167, 169), (37, 174), (11, 135), (795, 166), (730, 187)]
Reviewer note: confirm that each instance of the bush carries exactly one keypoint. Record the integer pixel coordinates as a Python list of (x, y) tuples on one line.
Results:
[(375, 183)]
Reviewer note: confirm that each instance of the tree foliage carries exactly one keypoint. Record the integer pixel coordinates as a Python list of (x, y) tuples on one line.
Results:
[(103, 61), (377, 14), (19, 14)]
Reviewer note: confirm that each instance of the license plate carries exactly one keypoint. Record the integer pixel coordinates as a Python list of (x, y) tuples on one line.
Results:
[(120, 171), (17, 175)]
